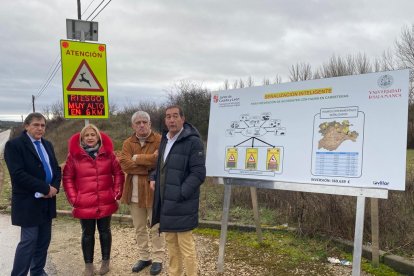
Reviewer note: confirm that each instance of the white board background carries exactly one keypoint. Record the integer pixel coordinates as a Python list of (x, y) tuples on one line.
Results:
[(289, 117)]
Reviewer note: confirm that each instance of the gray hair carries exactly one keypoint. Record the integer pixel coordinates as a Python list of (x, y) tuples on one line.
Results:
[(140, 114)]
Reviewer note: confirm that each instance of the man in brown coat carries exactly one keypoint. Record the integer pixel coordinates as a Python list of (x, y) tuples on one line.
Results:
[(138, 159)]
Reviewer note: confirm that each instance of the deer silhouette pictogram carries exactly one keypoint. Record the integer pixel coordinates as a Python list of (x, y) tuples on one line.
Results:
[(83, 79)]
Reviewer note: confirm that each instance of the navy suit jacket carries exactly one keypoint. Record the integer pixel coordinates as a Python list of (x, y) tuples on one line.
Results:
[(27, 178)]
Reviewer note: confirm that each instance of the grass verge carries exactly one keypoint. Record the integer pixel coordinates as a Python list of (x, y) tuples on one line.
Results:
[(282, 252)]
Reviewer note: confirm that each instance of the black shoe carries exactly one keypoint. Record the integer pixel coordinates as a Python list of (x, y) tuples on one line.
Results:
[(156, 268), (140, 265)]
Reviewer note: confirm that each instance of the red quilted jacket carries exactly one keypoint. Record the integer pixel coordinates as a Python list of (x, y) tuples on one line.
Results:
[(92, 186)]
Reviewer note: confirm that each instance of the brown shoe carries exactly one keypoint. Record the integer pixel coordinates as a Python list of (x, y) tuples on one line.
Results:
[(104, 267), (88, 270)]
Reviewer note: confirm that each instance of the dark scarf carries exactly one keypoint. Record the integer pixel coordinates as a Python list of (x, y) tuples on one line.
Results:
[(92, 151)]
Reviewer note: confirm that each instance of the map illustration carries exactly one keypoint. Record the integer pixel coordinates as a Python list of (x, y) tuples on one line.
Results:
[(332, 155), (335, 133)]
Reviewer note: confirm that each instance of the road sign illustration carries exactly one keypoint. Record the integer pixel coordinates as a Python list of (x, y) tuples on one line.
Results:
[(261, 156), (232, 156), (273, 159), (84, 79), (251, 158)]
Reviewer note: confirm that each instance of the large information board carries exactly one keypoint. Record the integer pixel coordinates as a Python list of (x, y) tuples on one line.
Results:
[(346, 131), (84, 79)]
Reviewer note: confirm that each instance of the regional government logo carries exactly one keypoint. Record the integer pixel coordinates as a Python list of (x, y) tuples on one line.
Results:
[(385, 81), (215, 98)]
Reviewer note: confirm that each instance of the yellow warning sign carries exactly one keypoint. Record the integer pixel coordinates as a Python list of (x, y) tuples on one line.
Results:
[(251, 158), (273, 159), (84, 80), (231, 158)]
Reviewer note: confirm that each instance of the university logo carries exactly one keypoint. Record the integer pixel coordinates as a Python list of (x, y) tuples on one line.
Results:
[(385, 81)]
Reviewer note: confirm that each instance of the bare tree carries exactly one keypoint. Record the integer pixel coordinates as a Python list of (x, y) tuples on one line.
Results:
[(387, 62), (317, 75), (57, 110), (241, 83), (300, 72), (405, 54), (277, 79), (226, 84), (405, 47), (113, 109), (250, 82), (195, 101), (337, 66), (362, 64), (235, 84), (266, 81), (46, 112)]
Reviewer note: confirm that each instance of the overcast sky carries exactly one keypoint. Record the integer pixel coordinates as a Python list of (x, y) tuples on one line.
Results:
[(151, 45)]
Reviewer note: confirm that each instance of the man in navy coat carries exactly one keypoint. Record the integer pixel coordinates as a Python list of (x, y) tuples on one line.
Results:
[(35, 177)]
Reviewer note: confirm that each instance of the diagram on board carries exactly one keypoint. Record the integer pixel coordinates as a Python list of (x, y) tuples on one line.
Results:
[(257, 154), (338, 142)]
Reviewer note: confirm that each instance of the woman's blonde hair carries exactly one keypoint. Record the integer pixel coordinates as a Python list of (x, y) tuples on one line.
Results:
[(85, 128)]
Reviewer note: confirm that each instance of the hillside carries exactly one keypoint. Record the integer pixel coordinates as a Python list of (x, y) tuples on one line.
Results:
[(8, 124)]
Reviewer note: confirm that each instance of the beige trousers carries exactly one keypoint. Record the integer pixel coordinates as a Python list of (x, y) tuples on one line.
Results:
[(141, 218), (181, 249)]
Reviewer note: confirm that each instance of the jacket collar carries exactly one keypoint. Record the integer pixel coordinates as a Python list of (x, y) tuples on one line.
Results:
[(76, 150), (29, 144), (188, 130), (150, 138)]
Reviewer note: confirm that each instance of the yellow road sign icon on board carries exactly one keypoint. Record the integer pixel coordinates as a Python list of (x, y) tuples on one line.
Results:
[(231, 158), (251, 158), (273, 159), (84, 79)]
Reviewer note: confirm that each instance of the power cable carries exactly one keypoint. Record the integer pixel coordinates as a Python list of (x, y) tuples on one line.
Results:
[(55, 70), (95, 10), (87, 8), (48, 74), (58, 65), (101, 9), (44, 85)]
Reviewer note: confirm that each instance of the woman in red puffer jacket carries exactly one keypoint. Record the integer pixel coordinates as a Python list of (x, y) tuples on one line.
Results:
[(93, 182)]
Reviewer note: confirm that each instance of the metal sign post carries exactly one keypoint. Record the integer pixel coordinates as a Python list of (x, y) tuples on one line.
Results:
[(359, 230), (224, 224), (374, 232), (81, 30), (360, 193)]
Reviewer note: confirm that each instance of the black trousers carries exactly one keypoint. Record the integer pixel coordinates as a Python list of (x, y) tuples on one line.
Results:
[(88, 237)]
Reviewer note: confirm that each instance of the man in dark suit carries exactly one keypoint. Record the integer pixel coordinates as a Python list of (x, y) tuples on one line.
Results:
[(35, 176)]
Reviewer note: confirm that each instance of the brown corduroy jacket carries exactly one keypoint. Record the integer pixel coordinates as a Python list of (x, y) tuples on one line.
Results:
[(142, 166)]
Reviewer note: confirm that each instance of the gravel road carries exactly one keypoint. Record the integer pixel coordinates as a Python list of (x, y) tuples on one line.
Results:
[(65, 257)]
